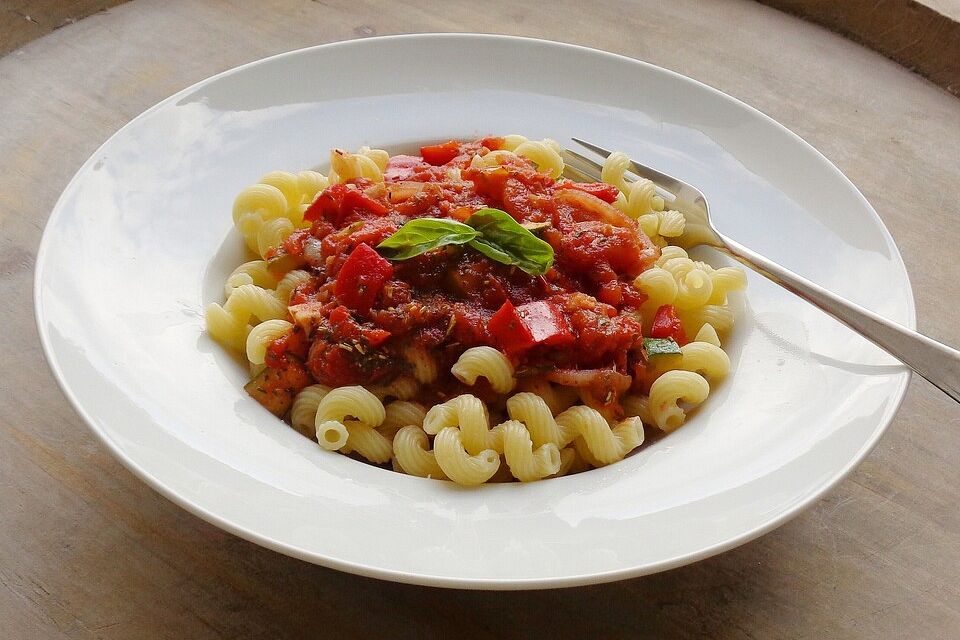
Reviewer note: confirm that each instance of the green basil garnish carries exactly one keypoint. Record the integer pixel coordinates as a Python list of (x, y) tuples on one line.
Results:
[(423, 234), (660, 346), (491, 232), (503, 239)]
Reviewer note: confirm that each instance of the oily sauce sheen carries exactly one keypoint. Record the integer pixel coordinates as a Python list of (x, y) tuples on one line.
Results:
[(353, 321)]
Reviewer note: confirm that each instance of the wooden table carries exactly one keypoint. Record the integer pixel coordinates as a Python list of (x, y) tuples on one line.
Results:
[(88, 551)]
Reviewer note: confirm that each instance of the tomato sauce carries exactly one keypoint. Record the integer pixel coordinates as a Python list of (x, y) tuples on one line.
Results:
[(359, 313)]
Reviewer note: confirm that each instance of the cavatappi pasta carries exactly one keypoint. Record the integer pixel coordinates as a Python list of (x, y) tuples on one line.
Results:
[(470, 315)]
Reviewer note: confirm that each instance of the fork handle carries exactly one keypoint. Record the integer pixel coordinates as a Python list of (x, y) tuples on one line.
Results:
[(936, 362)]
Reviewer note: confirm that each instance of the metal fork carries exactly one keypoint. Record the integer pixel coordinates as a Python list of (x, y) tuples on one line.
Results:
[(936, 362)]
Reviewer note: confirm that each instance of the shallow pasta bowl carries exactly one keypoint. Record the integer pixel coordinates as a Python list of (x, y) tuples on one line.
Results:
[(142, 240)]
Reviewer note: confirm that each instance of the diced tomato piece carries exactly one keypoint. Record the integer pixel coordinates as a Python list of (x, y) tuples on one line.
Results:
[(361, 278), (438, 154), (621, 294), (604, 191), (493, 143), (339, 201), (666, 324), (546, 323), (293, 343), (509, 331), (401, 167), (375, 337)]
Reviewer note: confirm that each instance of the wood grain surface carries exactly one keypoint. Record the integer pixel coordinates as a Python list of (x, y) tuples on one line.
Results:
[(922, 35), (88, 551)]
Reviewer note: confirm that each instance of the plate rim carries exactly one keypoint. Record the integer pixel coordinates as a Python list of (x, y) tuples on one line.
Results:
[(446, 581)]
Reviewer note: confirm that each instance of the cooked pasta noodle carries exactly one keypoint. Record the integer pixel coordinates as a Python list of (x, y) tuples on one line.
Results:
[(401, 413), (604, 443), (533, 411), (544, 155), (303, 414), (230, 323), (469, 414), (367, 442), (525, 463), (411, 447), (253, 272), (340, 403), (708, 334), (670, 389), (458, 464), (485, 362), (289, 282)]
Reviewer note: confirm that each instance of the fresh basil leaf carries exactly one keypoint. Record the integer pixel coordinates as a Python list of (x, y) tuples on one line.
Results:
[(660, 346), (503, 239), (423, 234)]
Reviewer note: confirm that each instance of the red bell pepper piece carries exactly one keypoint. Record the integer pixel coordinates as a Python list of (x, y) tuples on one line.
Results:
[(516, 329), (546, 323), (666, 324), (340, 200), (438, 154), (361, 278), (508, 330), (604, 191)]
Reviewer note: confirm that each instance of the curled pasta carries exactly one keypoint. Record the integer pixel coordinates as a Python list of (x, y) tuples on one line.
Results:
[(485, 362), (604, 443), (670, 389), (303, 413), (614, 171), (411, 449), (568, 462), (694, 285), (363, 164), (267, 212), (704, 358), (341, 402), (544, 155), (401, 413), (527, 464), (262, 335), (229, 324), (368, 442), (458, 464), (469, 414), (262, 200), (658, 284), (532, 410), (253, 272), (289, 282), (708, 334), (725, 280), (636, 406), (720, 317)]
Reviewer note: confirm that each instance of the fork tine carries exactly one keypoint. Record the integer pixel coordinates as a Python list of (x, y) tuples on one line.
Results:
[(598, 150), (644, 172), (596, 166)]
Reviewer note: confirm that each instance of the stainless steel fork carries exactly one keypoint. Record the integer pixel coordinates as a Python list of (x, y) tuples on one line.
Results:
[(933, 360)]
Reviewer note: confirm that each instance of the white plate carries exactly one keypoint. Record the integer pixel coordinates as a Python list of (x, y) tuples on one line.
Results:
[(141, 241)]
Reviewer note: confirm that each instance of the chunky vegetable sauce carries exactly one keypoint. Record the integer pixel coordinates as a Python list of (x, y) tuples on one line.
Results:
[(578, 323)]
